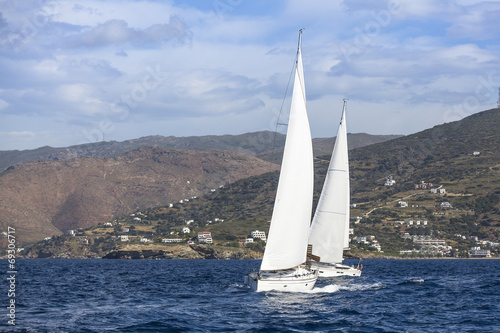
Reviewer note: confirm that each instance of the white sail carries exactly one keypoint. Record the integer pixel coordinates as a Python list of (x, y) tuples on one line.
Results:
[(288, 234), (329, 233)]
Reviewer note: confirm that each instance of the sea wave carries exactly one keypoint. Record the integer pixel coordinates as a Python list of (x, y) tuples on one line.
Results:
[(87, 296), (333, 288), (361, 287)]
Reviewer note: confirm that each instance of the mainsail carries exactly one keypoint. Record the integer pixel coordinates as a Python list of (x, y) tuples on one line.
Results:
[(288, 234), (329, 233)]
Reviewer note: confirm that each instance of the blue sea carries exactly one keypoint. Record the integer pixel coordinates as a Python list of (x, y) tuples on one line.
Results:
[(66, 295)]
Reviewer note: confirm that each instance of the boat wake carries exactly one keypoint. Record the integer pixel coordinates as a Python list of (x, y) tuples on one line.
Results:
[(333, 288), (329, 289), (413, 280), (236, 287), (361, 287)]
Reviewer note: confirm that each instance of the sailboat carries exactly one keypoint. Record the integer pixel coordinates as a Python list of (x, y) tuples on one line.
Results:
[(283, 264), (329, 233)]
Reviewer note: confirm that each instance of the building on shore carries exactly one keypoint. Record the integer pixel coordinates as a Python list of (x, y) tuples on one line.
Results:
[(476, 252)]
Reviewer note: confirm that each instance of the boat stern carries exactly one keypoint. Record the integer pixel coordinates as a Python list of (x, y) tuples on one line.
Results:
[(334, 270), (295, 280), (251, 280)]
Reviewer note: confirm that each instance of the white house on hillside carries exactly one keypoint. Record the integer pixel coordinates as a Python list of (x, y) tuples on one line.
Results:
[(205, 237), (258, 234), (389, 182), (477, 252), (171, 240)]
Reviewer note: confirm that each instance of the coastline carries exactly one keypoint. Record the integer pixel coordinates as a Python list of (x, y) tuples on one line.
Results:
[(184, 251), (211, 255)]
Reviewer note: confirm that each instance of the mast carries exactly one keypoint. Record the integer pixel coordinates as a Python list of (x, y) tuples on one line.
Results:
[(288, 234)]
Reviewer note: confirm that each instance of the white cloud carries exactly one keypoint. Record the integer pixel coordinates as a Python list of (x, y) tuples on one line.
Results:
[(183, 68), (478, 22), (23, 133), (117, 32), (3, 104)]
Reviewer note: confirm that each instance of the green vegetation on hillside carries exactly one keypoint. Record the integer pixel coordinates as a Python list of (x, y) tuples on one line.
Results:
[(462, 159)]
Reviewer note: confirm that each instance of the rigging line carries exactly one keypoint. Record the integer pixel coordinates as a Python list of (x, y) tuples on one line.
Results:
[(294, 67)]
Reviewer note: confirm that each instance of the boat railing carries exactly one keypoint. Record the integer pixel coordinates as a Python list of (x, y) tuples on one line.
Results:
[(287, 276)]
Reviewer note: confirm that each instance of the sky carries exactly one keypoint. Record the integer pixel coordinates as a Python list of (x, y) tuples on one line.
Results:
[(75, 72)]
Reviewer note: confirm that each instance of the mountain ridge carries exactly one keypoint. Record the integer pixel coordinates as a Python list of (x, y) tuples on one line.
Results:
[(254, 143), (440, 155), (45, 198)]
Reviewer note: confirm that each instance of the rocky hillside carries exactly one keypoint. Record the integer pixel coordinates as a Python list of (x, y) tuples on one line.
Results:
[(440, 153), (249, 144), (443, 156), (324, 146), (47, 198)]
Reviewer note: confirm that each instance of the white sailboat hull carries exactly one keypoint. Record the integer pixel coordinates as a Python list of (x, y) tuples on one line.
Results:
[(333, 270), (293, 280)]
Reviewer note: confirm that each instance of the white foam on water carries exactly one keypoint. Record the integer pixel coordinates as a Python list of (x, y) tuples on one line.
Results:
[(333, 288), (361, 287), (236, 287), (329, 289)]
